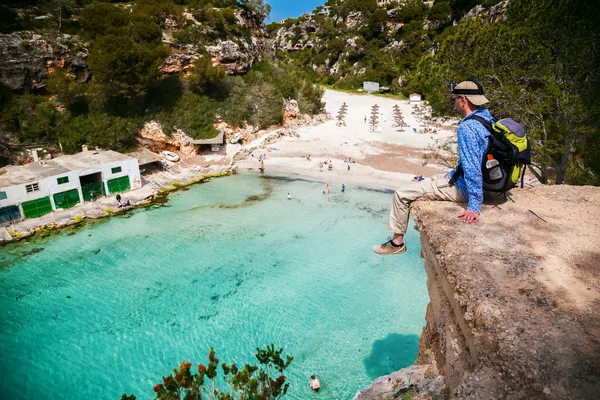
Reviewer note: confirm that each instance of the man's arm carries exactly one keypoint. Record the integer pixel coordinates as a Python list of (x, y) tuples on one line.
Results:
[(470, 159)]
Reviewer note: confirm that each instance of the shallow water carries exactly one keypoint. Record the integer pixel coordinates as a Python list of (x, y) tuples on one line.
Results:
[(232, 264)]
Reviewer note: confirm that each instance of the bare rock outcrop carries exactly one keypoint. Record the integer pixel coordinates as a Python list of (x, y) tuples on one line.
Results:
[(491, 14), (513, 299), (291, 111), (28, 58), (237, 54), (153, 138), (354, 19), (229, 55), (248, 132), (297, 37)]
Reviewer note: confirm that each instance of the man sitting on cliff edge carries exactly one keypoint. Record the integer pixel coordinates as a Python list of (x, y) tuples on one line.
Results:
[(468, 99)]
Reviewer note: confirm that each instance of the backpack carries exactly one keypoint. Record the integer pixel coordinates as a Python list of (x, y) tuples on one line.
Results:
[(507, 154)]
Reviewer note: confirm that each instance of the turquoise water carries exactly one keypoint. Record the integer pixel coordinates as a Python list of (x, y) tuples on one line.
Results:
[(110, 308)]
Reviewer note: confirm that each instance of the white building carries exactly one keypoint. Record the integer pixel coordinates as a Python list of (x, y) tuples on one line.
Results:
[(35, 189), (414, 98), (371, 86)]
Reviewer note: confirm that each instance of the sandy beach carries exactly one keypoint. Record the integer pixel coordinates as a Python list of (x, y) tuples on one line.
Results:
[(382, 159)]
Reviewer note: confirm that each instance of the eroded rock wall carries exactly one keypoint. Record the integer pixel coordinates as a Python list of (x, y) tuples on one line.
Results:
[(513, 300)]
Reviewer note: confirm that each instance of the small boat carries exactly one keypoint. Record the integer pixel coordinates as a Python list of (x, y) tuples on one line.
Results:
[(236, 138), (170, 156)]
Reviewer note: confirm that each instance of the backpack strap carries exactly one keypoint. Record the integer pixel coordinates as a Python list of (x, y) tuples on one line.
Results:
[(523, 176), (485, 123)]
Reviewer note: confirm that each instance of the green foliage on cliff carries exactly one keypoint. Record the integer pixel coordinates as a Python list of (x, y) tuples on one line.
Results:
[(125, 47), (540, 67), (539, 64)]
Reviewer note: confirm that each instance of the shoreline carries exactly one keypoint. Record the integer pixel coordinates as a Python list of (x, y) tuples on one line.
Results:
[(383, 160)]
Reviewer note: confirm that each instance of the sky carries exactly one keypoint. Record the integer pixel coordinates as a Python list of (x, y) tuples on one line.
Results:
[(281, 9)]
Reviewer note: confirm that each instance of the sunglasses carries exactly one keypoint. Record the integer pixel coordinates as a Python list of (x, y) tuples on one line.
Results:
[(453, 99)]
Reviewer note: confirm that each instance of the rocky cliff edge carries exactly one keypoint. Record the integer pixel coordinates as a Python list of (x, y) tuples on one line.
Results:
[(514, 300)]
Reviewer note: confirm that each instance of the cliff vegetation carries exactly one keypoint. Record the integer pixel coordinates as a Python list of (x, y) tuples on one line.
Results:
[(538, 60), (93, 72)]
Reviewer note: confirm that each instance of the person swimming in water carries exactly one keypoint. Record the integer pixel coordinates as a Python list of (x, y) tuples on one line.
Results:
[(314, 383), (343, 188)]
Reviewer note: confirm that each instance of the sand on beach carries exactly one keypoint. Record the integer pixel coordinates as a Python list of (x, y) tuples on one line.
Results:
[(382, 159)]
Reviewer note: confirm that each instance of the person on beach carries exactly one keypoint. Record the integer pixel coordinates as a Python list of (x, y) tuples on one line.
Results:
[(343, 188), (348, 167), (289, 196), (314, 383), (468, 99)]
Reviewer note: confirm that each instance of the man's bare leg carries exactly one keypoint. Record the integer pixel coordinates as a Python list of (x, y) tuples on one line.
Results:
[(398, 239)]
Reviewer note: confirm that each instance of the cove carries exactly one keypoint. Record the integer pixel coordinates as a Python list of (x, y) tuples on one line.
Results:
[(232, 264)]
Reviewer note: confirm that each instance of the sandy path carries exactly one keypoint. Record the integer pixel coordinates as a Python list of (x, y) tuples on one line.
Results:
[(384, 159)]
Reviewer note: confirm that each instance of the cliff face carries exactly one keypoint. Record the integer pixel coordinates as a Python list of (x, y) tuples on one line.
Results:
[(236, 54), (513, 300), (318, 30), (28, 57)]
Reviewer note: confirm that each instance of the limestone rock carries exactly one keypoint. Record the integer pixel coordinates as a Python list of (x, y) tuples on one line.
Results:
[(352, 41), (336, 67), (227, 53), (152, 137), (413, 378), (248, 132), (179, 62), (354, 19), (291, 110), (28, 58), (296, 38), (493, 14)]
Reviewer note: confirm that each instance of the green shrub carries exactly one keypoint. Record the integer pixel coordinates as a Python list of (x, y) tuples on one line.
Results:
[(265, 381), (194, 114), (102, 130)]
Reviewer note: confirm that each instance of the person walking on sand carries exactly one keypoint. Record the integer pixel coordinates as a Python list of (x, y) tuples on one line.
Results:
[(463, 184), (314, 383)]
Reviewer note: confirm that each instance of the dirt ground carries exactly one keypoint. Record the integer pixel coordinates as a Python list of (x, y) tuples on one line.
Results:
[(528, 279)]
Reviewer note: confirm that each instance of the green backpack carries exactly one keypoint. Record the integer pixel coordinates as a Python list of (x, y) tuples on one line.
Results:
[(507, 154)]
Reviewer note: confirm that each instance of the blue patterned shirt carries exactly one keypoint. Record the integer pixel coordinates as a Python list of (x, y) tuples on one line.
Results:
[(472, 144)]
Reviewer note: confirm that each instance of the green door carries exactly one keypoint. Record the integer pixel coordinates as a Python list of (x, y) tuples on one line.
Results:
[(37, 208), (118, 185), (66, 199), (93, 190)]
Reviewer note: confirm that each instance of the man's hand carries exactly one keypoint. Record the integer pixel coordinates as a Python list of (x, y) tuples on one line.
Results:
[(469, 217)]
